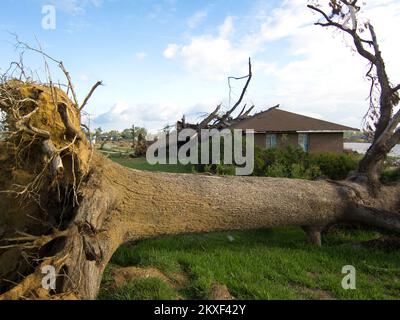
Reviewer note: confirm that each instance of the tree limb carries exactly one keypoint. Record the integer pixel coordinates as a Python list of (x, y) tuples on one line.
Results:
[(357, 40), (209, 118), (60, 64), (249, 76), (98, 83), (247, 112)]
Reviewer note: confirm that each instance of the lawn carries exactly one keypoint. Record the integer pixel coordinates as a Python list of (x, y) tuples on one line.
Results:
[(142, 164), (259, 264)]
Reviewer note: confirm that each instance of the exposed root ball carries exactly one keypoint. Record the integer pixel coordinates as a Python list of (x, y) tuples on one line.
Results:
[(44, 157)]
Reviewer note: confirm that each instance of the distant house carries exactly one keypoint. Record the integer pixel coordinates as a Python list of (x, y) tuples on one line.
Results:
[(276, 128)]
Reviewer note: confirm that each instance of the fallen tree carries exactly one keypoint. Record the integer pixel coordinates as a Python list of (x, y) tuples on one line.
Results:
[(64, 205)]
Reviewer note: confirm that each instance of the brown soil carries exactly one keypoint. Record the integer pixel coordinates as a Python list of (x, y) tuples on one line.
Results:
[(383, 243), (220, 292), (313, 293), (176, 280), (123, 275)]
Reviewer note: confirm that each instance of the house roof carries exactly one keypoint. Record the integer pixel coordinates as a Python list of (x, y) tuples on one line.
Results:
[(276, 120)]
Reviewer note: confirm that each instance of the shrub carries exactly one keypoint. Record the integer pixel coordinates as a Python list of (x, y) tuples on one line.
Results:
[(334, 166), (291, 162), (220, 169), (277, 170), (392, 175)]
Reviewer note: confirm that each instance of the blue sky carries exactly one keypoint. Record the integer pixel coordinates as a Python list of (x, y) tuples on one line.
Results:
[(162, 59)]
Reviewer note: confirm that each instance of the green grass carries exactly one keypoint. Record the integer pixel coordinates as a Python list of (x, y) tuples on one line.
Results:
[(259, 264), (264, 264), (141, 289), (142, 164)]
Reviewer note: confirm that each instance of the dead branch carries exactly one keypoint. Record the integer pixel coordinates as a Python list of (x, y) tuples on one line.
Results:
[(247, 113), (214, 120), (249, 76), (209, 118), (71, 87), (98, 83), (28, 241), (380, 109)]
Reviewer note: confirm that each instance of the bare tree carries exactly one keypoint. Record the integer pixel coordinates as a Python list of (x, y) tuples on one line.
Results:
[(65, 205), (384, 97), (218, 120)]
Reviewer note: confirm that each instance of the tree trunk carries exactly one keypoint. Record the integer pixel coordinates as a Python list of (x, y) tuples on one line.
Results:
[(76, 217), (120, 205)]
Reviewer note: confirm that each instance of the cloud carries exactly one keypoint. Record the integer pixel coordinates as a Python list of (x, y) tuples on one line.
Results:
[(325, 75), (151, 115), (75, 7), (77, 26), (226, 29), (306, 68), (316, 70), (162, 10), (141, 55), (196, 19), (171, 51), (284, 21), (213, 57)]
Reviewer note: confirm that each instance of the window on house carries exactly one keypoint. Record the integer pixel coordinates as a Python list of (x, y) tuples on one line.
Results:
[(271, 141), (304, 141)]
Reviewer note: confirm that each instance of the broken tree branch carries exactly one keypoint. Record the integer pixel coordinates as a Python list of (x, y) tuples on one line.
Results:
[(249, 76), (209, 118), (247, 113), (357, 40), (97, 84)]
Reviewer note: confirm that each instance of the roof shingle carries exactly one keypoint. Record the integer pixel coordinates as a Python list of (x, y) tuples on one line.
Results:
[(276, 120)]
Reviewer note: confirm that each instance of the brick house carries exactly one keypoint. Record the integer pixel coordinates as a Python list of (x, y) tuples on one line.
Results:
[(277, 128)]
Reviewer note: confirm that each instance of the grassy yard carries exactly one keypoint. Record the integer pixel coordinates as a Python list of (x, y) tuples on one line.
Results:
[(141, 164), (259, 264)]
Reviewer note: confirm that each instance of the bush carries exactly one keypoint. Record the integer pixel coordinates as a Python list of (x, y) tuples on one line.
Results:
[(220, 169), (392, 175), (292, 162), (335, 166), (276, 170)]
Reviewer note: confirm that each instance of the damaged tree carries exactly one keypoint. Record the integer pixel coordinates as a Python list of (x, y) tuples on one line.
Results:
[(62, 204), (384, 97), (216, 120)]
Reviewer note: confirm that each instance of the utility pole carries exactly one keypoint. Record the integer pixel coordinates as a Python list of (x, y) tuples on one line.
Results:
[(133, 136)]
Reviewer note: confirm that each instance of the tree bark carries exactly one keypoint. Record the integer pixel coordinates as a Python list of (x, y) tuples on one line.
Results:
[(120, 205)]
